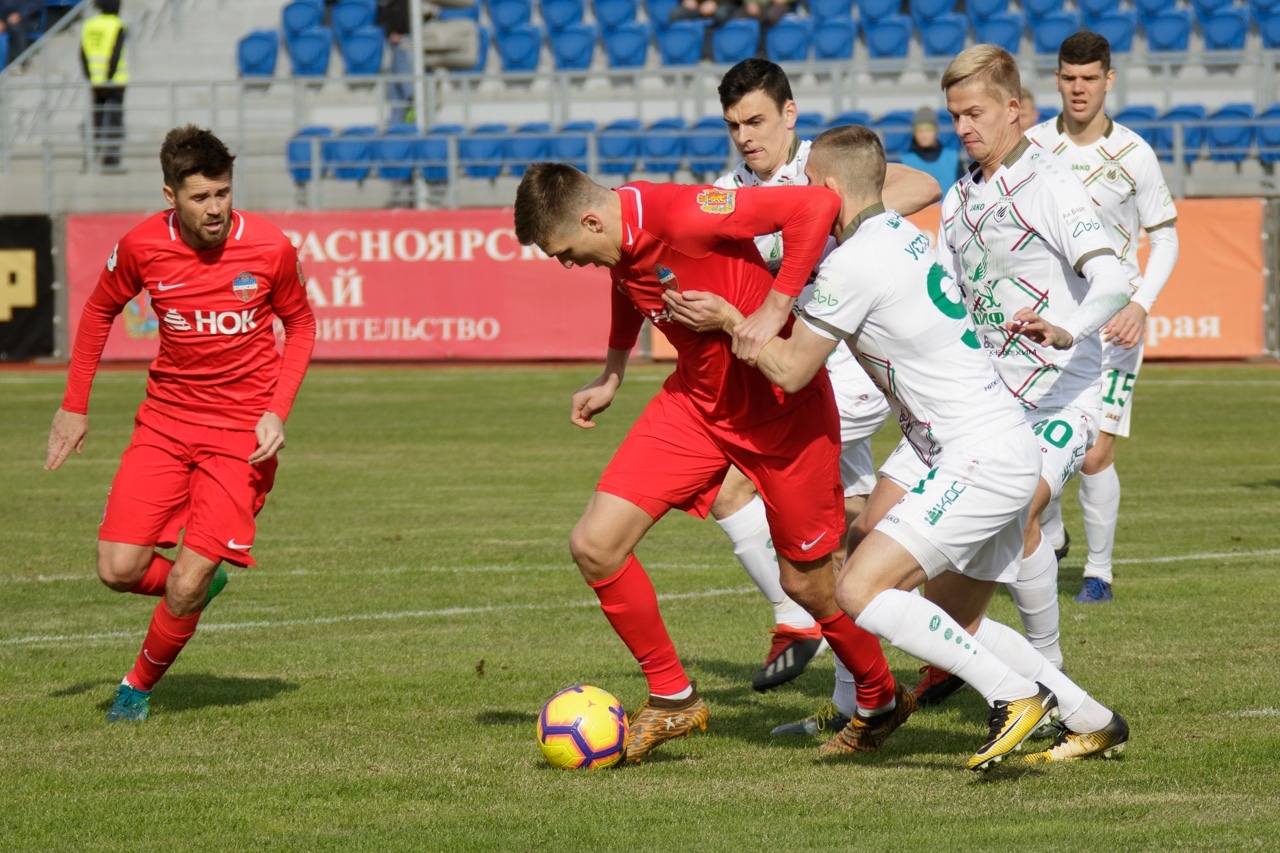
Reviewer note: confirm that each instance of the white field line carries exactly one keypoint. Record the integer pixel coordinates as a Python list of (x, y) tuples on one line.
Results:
[(1257, 712), (385, 616), (567, 567)]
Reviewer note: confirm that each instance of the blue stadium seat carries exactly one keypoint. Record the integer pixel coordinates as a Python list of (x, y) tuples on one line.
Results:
[(1002, 28), (821, 10), (618, 146), (1168, 30), (481, 151), (1147, 8), (980, 10), (659, 12), (1049, 31), (859, 117), (945, 35), (349, 156), (735, 40), (1269, 26), (834, 39), (789, 39), (509, 14), (395, 151), (309, 52), (927, 10), (1117, 28), (520, 47), (450, 13), (1094, 9), (483, 40), (611, 14), (1231, 134), (947, 128), (1037, 9), (707, 146), (530, 143), (256, 53), (1268, 135), (362, 51), (569, 144), (809, 125), (573, 48), (433, 152), (349, 16), (1225, 29), (4, 53), (1192, 136), (681, 43), (1260, 9), (889, 36), (895, 131), (296, 17), (1144, 117), (558, 14), (1208, 8), (662, 146), (875, 10), (299, 151), (627, 46)]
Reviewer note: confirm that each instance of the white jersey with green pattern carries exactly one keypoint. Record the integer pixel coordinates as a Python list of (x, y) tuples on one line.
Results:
[(1020, 241), (883, 293), (1124, 180)]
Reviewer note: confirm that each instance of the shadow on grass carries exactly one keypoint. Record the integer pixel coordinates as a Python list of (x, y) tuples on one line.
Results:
[(506, 718), (187, 692), (1263, 484)]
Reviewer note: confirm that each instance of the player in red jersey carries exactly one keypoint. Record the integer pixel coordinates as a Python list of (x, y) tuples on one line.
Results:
[(712, 412), (203, 454)]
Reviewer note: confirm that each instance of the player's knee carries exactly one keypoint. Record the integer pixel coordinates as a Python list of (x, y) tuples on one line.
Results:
[(595, 558), (848, 595), (118, 572), (734, 494)]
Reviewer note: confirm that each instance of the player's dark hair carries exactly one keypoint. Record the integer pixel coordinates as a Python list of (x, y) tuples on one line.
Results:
[(192, 150), (752, 74), (853, 154), (1083, 48), (549, 199)]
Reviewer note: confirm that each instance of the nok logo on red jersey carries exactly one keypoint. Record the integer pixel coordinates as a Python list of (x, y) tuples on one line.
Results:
[(245, 286), (716, 200)]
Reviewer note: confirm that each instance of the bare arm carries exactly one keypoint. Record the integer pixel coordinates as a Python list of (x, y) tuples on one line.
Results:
[(909, 190)]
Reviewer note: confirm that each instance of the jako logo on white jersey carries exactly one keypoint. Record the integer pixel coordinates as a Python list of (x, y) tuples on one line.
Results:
[(215, 322)]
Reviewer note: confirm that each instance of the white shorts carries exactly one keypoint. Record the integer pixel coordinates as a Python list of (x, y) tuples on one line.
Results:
[(1120, 368), (863, 410), (1065, 434), (967, 513)]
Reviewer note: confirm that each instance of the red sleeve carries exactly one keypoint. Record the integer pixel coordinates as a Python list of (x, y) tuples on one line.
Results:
[(289, 300), (120, 281), (704, 217), (625, 320)]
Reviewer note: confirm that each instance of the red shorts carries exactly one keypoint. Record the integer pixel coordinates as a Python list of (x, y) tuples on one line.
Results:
[(673, 457), (174, 475)]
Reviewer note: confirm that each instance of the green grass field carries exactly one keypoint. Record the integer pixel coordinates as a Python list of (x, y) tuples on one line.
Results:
[(373, 685)]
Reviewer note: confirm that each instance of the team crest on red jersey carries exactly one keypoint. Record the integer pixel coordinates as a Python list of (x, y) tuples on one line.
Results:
[(245, 286), (716, 200)]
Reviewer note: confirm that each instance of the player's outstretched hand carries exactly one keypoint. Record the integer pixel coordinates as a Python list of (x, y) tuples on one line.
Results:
[(270, 432), (66, 434), (697, 309), (592, 399), (750, 336), (1035, 328), (1126, 328)]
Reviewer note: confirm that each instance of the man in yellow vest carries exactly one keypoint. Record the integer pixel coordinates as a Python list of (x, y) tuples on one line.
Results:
[(102, 56)]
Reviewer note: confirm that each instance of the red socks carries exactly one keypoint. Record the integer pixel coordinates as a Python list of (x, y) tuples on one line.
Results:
[(631, 606), (860, 651), (165, 638), (152, 583)]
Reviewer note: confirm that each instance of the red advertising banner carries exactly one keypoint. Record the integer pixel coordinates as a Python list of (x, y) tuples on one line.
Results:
[(395, 284)]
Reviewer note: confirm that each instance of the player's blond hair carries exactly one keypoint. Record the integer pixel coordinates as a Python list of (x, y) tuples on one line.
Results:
[(988, 64), (853, 155), (550, 198)]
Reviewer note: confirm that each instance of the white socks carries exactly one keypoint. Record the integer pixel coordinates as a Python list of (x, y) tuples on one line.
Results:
[(844, 695), (1080, 712), (1035, 592), (1100, 502), (748, 530), (1051, 524), (920, 628)]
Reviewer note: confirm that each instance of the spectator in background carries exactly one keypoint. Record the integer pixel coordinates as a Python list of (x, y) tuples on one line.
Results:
[(928, 154), (393, 17), (1030, 116), (21, 20), (768, 13), (715, 11), (103, 61)]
